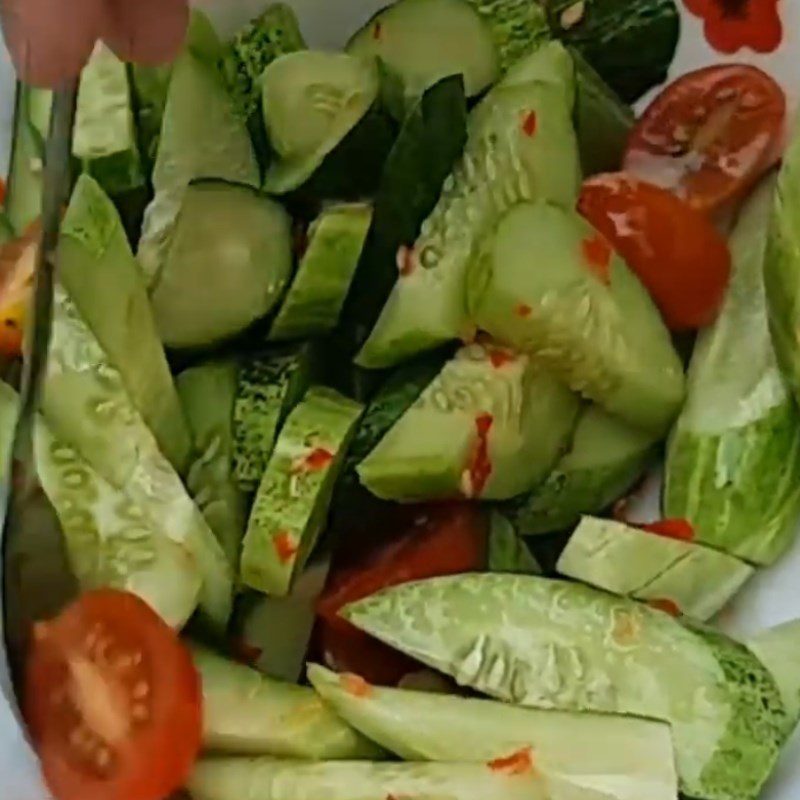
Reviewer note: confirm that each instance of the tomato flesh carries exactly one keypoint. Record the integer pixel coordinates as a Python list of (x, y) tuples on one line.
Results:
[(439, 540), (710, 135), (678, 254), (112, 700)]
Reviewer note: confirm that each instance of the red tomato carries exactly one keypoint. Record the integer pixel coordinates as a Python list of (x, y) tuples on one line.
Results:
[(709, 135), (676, 251), (442, 540), (17, 269), (113, 701)]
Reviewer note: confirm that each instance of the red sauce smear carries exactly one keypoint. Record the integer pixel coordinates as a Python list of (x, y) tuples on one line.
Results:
[(519, 763), (529, 124), (523, 310), (666, 605), (680, 529), (480, 467), (285, 547), (500, 357), (597, 254), (355, 685)]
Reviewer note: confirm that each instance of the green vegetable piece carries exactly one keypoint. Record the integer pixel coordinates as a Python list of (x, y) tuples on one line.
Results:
[(270, 385), (150, 86), (87, 407), (230, 255), (521, 145), (104, 139), (111, 539), (291, 505), (207, 393), (733, 463), (556, 645), (270, 779), (330, 92), (407, 37), (490, 425), (101, 276), (7, 232), (9, 412), (319, 288), (690, 578), (778, 649), (581, 310), (631, 43), (606, 458), (507, 552), (626, 757), (245, 712), (201, 137)]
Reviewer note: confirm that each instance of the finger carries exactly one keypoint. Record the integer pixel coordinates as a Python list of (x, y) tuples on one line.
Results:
[(146, 31), (50, 40)]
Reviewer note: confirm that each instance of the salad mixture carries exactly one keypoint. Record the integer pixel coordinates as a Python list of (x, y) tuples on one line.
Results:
[(358, 359)]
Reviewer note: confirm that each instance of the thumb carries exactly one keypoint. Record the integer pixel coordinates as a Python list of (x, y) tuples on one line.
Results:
[(147, 31)]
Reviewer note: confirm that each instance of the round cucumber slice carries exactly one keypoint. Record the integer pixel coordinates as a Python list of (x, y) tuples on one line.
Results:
[(312, 100)]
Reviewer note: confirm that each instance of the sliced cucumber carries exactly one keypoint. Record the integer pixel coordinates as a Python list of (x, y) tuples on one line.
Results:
[(111, 539), (270, 385), (627, 757), (778, 649), (490, 425), (606, 458), (318, 291), (104, 139), (407, 37), (229, 261), (87, 407), (557, 645), (329, 92), (207, 393), (521, 145), (245, 712), (201, 137), (103, 280), (9, 413), (733, 462), (150, 87), (292, 501), (7, 232), (507, 552), (599, 332)]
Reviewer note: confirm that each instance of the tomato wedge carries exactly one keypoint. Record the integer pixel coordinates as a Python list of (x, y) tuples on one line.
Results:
[(441, 540), (710, 135), (113, 701), (676, 251), (17, 269)]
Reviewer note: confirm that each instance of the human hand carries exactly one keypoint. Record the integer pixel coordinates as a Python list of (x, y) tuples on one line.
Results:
[(51, 40)]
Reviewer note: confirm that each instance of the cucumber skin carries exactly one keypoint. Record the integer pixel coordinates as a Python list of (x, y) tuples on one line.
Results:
[(728, 511)]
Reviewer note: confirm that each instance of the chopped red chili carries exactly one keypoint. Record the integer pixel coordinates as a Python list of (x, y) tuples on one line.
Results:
[(499, 357), (529, 124), (666, 605), (680, 529), (597, 254), (518, 763), (285, 547), (480, 467), (318, 458), (355, 685)]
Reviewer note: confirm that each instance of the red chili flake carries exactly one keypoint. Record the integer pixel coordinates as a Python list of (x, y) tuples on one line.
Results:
[(597, 254), (244, 652), (680, 529), (480, 467), (529, 124), (518, 763), (730, 25), (666, 605), (500, 357), (377, 31), (285, 547), (355, 685), (317, 459), (523, 310)]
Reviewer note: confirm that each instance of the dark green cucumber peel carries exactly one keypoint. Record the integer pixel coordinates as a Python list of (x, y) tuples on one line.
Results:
[(631, 43), (430, 141)]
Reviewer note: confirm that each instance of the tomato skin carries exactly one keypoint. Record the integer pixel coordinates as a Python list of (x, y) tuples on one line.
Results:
[(676, 252), (134, 658), (710, 135), (440, 540)]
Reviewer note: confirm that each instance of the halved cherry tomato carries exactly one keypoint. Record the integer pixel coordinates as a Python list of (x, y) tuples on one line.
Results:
[(17, 269), (709, 135), (442, 540), (113, 701), (676, 251)]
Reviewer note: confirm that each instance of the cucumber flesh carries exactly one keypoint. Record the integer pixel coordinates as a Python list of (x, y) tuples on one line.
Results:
[(407, 37), (207, 393), (439, 449), (606, 458), (329, 92), (104, 139), (101, 276), (150, 86), (507, 552), (291, 505), (318, 290), (230, 255), (270, 385), (86, 406), (778, 649), (599, 332)]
